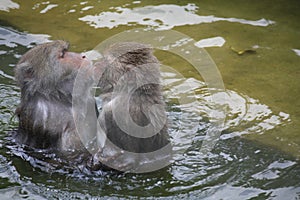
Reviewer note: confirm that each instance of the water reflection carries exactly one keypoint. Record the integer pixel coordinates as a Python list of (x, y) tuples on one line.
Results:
[(48, 7), (6, 5), (231, 192), (162, 17), (8, 102), (273, 170), (211, 42), (244, 115), (12, 38), (297, 51)]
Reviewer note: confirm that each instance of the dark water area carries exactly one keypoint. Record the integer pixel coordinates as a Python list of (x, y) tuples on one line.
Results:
[(256, 48)]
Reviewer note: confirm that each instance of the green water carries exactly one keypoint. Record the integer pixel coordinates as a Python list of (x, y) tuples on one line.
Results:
[(257, 156)]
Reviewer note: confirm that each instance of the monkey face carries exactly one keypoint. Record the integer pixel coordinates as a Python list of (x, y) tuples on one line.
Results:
[(48, 63), (71, 60)]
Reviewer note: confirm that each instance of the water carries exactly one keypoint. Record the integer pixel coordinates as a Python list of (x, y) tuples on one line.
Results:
[(257, 155)]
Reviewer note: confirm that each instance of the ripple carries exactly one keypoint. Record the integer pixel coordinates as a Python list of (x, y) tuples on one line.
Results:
[(244, 115)]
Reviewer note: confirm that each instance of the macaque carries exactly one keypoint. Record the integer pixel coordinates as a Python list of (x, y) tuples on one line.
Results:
[(132, 118), (133, 115), (46, 76)]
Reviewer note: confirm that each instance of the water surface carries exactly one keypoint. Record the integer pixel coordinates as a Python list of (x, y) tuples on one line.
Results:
[(257, 156)]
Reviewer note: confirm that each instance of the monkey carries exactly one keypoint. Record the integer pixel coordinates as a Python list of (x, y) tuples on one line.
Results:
[(133, 115), (46, 76)]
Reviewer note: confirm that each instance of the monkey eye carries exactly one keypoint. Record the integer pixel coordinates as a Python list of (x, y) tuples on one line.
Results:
[(62, 54)]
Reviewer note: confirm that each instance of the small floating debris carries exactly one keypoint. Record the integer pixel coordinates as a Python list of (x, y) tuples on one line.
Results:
[(242, 52)]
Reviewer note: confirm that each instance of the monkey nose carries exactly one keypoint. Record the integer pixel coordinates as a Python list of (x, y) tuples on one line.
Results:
[(83, 55)]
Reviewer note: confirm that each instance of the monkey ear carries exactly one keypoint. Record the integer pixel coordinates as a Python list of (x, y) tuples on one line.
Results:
[(23, 73)]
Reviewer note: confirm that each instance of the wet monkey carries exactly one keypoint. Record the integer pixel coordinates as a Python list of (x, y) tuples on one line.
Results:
[(46, 76), (133, 114)]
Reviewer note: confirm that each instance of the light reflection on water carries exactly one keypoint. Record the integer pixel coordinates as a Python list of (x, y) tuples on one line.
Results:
[(6, 5), (11, 38), (297, 51), (163, 17), (244, 115)]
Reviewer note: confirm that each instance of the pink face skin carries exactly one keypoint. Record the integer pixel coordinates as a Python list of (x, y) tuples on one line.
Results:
[(75, 60)]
